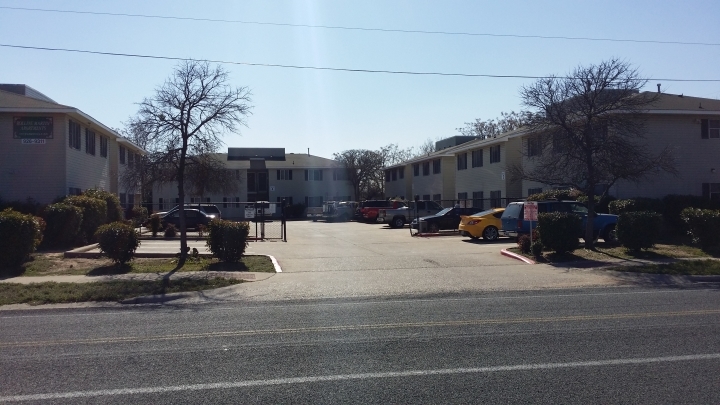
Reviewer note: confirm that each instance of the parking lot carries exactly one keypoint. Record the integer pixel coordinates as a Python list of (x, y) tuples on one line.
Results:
[(324, 260)]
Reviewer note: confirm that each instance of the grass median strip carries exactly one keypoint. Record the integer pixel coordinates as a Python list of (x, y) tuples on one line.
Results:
[(55, 293)]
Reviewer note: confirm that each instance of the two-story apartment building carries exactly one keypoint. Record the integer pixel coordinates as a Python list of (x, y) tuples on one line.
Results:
[(269, 174), (477, 171), (49, 150)]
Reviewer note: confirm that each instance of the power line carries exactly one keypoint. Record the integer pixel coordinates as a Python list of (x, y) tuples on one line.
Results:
[(347, 28), (353, 70)]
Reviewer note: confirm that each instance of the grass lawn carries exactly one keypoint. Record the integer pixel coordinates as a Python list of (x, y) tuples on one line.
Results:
[(51, 264), (604, 252), (705, 267), (53, 293)]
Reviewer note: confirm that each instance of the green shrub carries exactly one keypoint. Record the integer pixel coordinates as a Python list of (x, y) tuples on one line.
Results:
[(20, 234), (114, 210), (673, 206), (227, 240), (559, 231), (536, 248), (703, 226), (617, 207), (155, 224), (556, 195), (118, 241), (170, 231), (63, 225), (523, 242), (638, 229), (94, 214), (138, 215)]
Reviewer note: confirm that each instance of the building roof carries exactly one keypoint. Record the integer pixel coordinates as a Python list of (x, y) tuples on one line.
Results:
[(292, 161), (679, 103), (11, 102)]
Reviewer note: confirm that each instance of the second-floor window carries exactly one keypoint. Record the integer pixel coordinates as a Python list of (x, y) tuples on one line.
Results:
[(103, 146), (426, 169), (462, 161), (74, 135), (89, 142), (416, 169), (534, 146), (122, 154), (436, 166), (393, 172), (130, 158), (495, 154), (401, 173), (284, 174), (477, 158), (714, 128), (313, 175), (340, 174), (387, 175)]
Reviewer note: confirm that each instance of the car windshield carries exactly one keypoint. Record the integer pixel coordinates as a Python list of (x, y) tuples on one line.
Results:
[(483, 213), (443, 212)]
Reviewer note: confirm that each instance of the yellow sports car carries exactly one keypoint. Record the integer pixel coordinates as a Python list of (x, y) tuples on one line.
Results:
[(485, 224)]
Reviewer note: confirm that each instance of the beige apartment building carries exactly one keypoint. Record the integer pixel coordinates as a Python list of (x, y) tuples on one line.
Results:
[(49, 150), (269, 174), (479, 170)]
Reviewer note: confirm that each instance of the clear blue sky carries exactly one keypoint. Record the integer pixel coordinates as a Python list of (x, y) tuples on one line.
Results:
[(332, 111)]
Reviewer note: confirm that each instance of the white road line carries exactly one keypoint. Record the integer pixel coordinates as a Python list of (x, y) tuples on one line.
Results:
[(358, 376)]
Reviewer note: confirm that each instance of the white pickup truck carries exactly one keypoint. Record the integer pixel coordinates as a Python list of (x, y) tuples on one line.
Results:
[(398, 217)]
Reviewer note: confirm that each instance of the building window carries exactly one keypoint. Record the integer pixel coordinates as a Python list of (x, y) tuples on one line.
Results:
[(477, 158), (122, 154), (462, 161), (536, 190), (534, 146), (714, 128), (416, 169), (314, 201), (426, 169), (462, 196), (496, 199), (387, 175), (437, 197), (426, 197), (161, 204), (711, 191), (436, 166), (478, 200), (285, 174), (74, 135), (394, 174), (123, 200), (177, 200), (340, 174), (495, 154), (401, 172), (237, 202), (313, 175), (103, 146), (89, 142), (131, 159)]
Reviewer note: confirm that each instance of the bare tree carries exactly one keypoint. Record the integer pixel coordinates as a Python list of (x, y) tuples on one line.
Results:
[(588, 131), (185, 118), (362, 166), (494, 127)]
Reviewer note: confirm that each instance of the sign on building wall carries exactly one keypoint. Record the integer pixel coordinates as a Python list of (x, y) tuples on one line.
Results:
[(32, 127)]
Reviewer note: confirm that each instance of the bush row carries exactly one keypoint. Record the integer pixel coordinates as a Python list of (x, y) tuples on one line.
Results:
[(639, 229), (20, 235), (669, 207), (703, 226)]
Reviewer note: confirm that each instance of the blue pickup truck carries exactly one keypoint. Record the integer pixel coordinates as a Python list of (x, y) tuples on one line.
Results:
[(513, 223)]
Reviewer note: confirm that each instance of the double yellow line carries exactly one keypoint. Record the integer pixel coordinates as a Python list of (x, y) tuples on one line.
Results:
[(340, 328)]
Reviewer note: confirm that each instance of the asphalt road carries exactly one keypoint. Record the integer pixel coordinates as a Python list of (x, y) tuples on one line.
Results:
[(599, 345)]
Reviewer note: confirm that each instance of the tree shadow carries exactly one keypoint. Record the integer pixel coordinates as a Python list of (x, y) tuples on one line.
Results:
[(223, 266), (10, 272)]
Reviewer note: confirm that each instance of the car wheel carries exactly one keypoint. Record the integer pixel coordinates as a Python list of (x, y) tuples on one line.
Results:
[(433, 228), (490, 233), (398, 222), (610, 234)]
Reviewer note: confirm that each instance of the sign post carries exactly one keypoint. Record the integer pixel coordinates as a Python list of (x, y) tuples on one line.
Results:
[(530, 212)]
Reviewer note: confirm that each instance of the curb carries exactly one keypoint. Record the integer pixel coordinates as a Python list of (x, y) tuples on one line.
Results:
[(275, 263), (83, 252), (516, 256)]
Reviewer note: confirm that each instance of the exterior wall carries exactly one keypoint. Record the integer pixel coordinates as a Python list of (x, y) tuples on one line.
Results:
[(83, 170), (431, 184), (694, 158), (490, 176), (32, 171), (400, 187), (449, 169), (298, 188)]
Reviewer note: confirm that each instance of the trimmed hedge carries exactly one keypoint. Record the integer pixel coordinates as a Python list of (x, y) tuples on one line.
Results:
[(114, 210), (617, 207), (559, 231), (20, 234), (138, 215), (703, 226), (227, 240), (155, 224), (638, 230), (63, 225), (118, 241), (556, 195), (94, 214)]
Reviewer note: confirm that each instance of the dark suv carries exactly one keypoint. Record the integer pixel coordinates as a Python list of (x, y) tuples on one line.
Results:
[(514, 225)]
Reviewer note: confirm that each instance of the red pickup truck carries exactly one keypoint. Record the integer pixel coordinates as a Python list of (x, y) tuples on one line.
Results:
[(368, 209)]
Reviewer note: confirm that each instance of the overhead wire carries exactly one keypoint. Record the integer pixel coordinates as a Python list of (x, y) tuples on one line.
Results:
[(354, 70), (350, 28)]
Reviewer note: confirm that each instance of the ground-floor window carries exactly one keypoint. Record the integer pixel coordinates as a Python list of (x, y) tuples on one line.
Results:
[(314, 201), (161, 204), (437, 197), (711, 191), (478, 200), (536, 190), (426, 197), (496, 199)]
